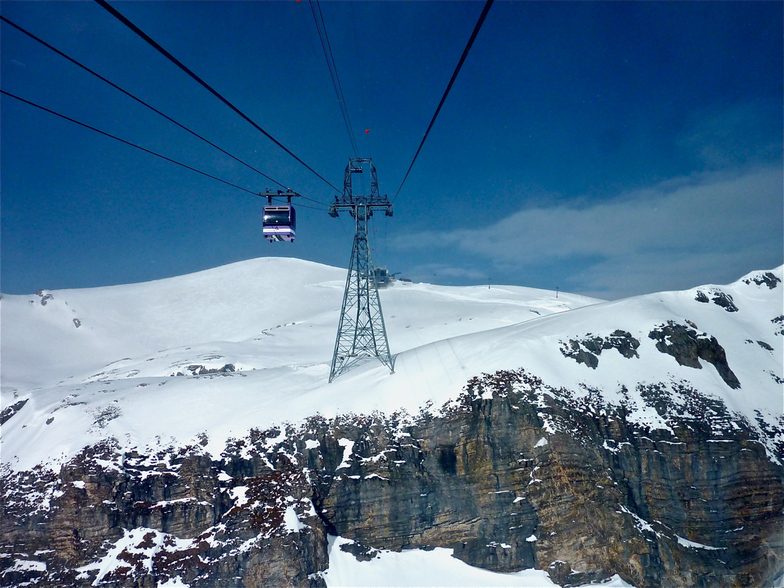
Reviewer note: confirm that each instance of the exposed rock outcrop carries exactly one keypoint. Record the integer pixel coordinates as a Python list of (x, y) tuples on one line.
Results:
[(588, 349), (45, 296), (688, 347), (767, 278), (779, 323), (10, 411), (720, 298)]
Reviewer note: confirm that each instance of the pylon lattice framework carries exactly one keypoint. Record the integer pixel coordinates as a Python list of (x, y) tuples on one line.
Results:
[(361, 330)]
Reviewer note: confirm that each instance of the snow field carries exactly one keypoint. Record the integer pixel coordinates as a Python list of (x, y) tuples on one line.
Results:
[(280, 347), (410, 568)]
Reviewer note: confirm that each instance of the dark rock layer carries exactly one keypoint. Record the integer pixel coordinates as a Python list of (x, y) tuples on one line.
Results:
[(588, 349), (688, 347)]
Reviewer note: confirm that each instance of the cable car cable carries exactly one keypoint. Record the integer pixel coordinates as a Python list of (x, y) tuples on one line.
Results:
[(139, 100), (313, 46), (323, 207), (4, 92), (99, 76), (326, 46), (478, 26), (332, 66), (209, 88)]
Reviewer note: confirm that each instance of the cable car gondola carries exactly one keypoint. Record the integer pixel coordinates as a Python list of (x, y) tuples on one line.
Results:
[(280, 220)]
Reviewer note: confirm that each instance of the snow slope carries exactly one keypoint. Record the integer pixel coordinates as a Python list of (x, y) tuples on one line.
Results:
[(275, 319), (426, 568)]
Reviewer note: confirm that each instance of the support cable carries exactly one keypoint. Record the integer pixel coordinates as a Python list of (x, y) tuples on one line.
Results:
[(204, 84), (139, 100), (478, 26), (333, 70), (10, 95), (322, 206), (5, 93)]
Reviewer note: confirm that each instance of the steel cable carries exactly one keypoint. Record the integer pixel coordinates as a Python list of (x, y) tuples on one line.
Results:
[(478, 26), (204, 84)]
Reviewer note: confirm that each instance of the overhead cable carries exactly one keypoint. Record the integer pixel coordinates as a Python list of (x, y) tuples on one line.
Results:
[(209, 88), (333, 70), (478, 26), (323, 206), (126, 142), (139, 100)]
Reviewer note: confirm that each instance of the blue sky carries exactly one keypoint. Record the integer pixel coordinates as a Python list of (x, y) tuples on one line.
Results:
[(610, 148)]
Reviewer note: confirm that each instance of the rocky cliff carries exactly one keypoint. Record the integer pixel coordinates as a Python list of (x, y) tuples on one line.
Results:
[(513, 474)]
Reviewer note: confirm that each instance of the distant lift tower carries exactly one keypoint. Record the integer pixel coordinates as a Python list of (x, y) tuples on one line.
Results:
[(361, 331)]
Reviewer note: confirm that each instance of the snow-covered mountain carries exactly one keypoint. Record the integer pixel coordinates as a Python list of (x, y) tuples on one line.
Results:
[(109, 351), (94, 362), (203, 359)]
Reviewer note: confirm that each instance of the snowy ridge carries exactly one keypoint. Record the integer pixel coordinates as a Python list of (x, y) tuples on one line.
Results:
[(251, 343), (273, 321)]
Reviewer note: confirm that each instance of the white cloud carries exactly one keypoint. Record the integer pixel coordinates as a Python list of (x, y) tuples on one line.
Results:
[(676, 234)]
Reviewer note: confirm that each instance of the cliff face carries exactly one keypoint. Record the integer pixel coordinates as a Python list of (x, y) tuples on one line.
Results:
[(137, 520), (512, 474)]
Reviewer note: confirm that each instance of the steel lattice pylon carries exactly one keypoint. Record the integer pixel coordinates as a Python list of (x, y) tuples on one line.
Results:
[(361, 330)]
